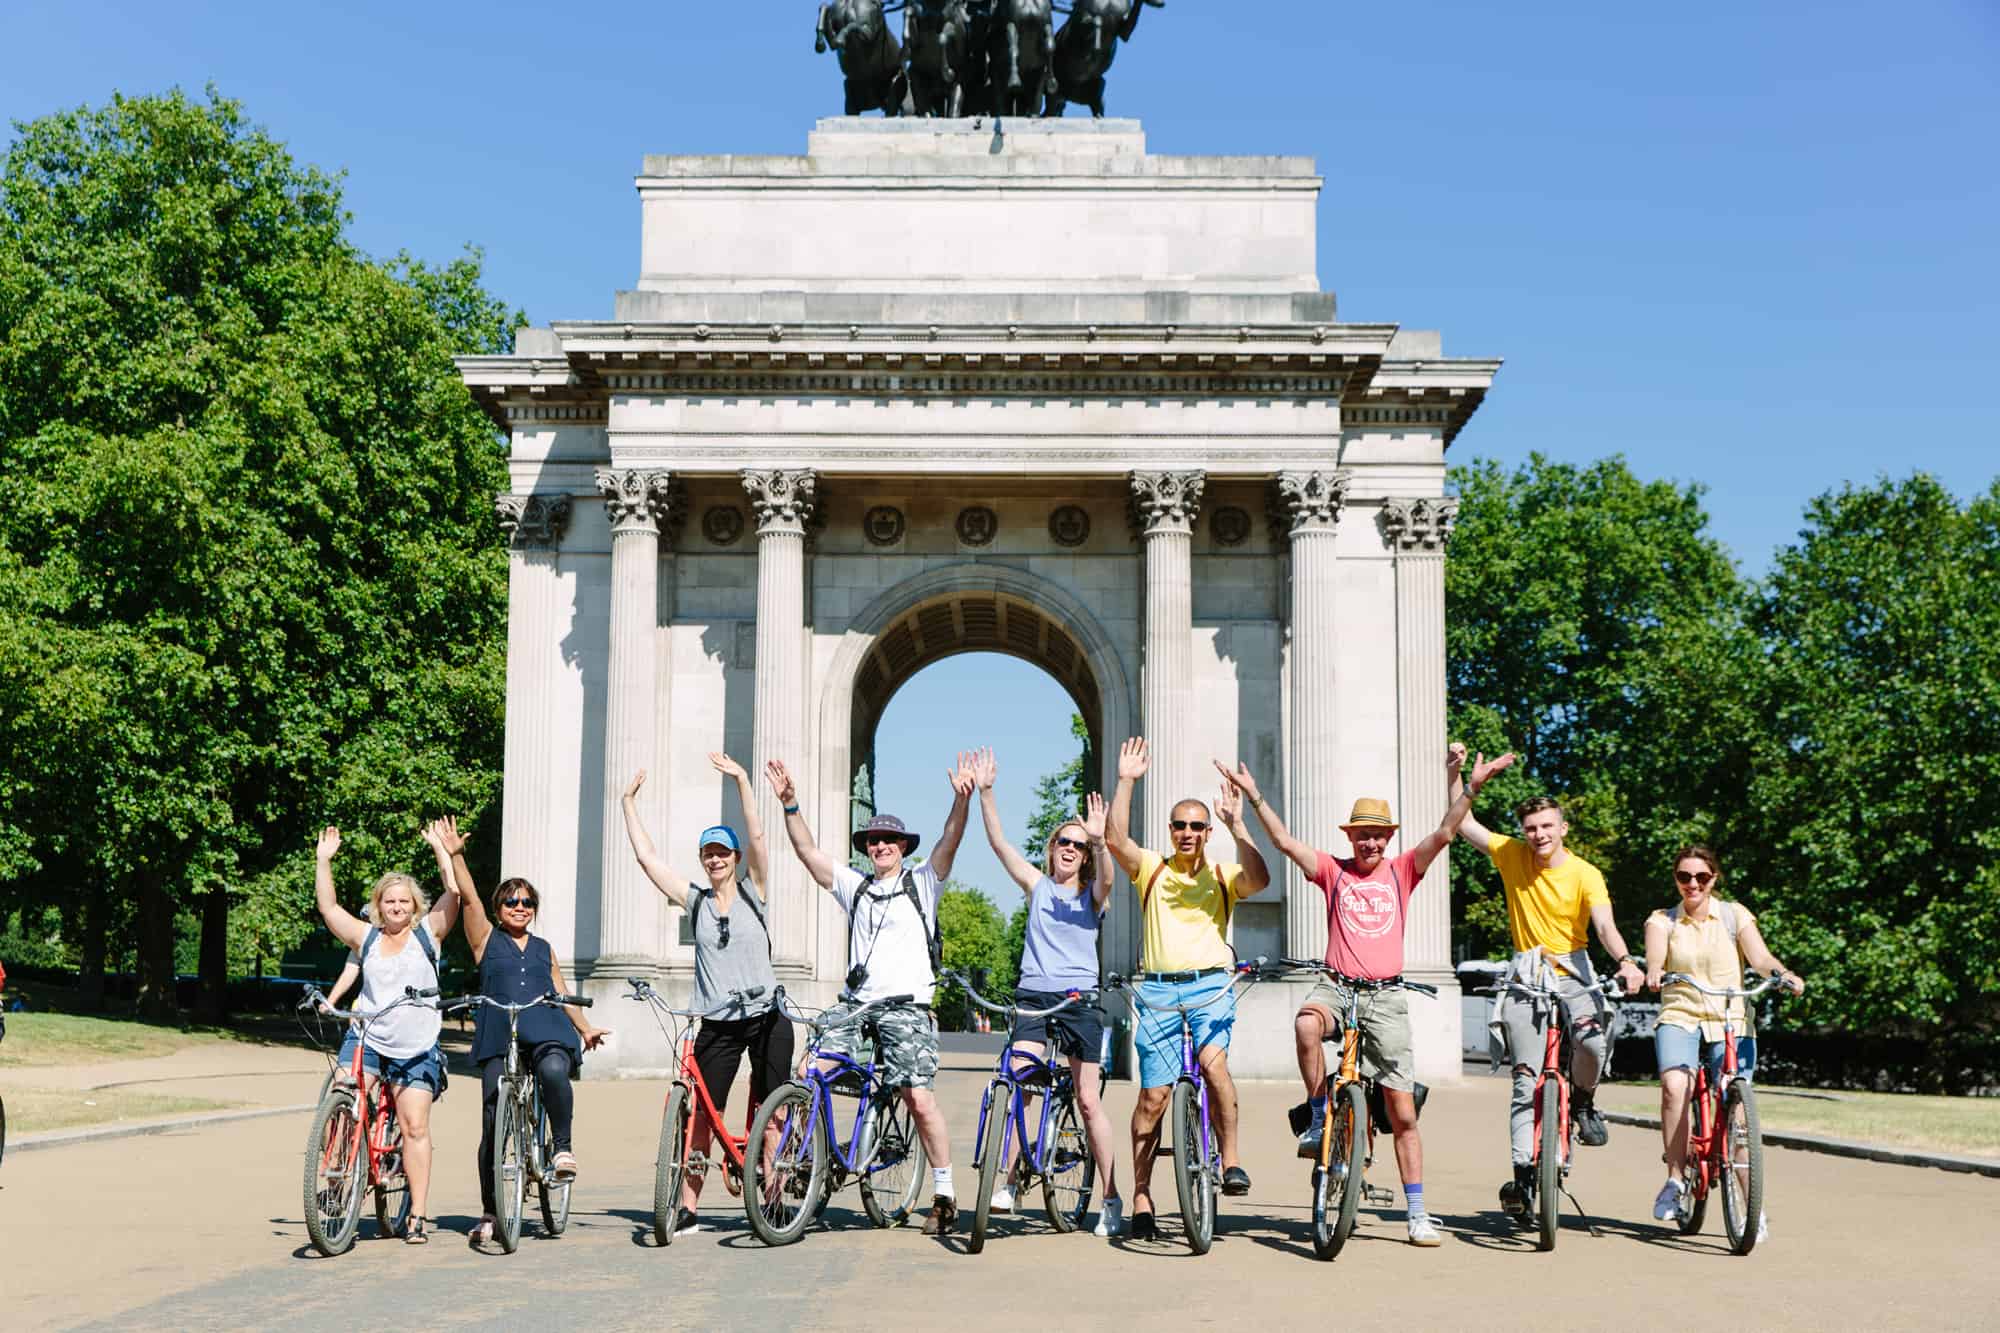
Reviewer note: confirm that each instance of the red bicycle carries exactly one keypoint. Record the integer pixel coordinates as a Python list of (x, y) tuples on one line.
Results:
[(1725, 1143), (356, 1144), (1552, 1136), (687, 1098)]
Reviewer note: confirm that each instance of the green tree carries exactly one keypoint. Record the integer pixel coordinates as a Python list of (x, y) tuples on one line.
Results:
[(1059, 795), (1596, 628), (973, 937), (248, 576)]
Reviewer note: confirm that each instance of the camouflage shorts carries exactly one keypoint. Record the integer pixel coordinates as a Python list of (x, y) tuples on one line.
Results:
[(906, 1042)]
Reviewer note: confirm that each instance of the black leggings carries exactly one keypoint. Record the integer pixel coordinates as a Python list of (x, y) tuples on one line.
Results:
[(550, 1061)]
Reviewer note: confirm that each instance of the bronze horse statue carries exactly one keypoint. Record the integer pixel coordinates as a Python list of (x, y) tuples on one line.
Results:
[(1085, 47), (870, 56), (1021, 56), (936, 43)]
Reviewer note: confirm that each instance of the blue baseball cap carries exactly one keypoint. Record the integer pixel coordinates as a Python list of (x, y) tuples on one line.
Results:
[(719, 835)]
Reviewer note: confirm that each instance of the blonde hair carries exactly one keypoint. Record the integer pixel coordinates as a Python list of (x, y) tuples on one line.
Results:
[(1086, 874), (396, 879)]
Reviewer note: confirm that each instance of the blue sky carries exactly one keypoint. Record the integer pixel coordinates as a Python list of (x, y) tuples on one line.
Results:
[(1750, 245)]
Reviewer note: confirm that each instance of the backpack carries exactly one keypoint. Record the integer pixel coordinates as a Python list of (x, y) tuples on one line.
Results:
[(744, 894), (908, 890), (1727, 911), (430, 954)]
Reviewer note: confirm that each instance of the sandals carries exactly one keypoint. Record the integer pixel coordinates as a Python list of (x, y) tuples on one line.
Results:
[(416, 1233)]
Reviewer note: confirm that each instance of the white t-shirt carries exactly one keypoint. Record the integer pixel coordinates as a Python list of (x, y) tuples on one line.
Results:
[(414, 1028), (888, 936)]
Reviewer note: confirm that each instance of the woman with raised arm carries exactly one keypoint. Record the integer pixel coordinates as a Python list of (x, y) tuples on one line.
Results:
[(732, 953), (516, 966), (1065, 909), (400, 949)]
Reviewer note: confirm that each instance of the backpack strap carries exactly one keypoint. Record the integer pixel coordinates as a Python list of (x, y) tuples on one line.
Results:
[(423, 942), (1154, 878), (930, 935)]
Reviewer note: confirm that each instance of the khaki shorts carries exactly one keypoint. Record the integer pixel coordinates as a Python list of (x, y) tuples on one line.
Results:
[(905, 1046), (1387, 1054)]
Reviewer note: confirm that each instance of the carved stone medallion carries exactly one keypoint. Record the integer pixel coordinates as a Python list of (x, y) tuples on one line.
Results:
[(722, 524), (883, 525), (1069, 525), (977, 525), (1230, 525)]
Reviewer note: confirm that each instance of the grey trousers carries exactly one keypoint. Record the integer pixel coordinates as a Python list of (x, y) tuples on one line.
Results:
[(1525, 1025)]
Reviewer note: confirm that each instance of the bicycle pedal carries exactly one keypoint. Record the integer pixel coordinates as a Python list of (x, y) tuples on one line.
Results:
[(1378, 1196)]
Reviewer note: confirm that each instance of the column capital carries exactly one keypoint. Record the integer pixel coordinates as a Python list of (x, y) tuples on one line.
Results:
[(1311, 501), (785, 499), (1166, 501), (532, 520), (1419, 525), (637, 500)]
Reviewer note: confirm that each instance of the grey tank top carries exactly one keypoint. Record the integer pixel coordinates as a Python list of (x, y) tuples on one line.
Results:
[(746, 961)]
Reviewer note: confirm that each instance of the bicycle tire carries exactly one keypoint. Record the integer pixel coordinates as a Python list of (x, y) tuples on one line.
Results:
[(1742, 1182), (1191, 1174), (334, 1157), (999, 1104), (3, 1129), (392, 1201), (798, 1167), (1072, 1171), (893, 1144), (552, 1195), (1693, 1208), (670, 1167), (1340, 1184), (1548, 1167), (510, 1171)]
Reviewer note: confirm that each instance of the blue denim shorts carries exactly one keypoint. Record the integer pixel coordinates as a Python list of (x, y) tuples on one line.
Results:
[(417, 1071), (1678, 1048), (1159, 1035)]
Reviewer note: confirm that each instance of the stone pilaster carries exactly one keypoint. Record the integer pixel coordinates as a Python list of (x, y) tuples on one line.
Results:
[(1164, 508), (533, 526), (639, 504), (1310, 504), (1417, 530), (784, 501)]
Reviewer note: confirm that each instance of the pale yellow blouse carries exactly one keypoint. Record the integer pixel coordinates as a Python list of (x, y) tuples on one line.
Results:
[(1703, 949)]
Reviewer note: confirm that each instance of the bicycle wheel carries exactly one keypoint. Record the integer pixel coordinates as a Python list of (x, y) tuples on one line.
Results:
[(781, 1198), (510, 1170), (392, 1187), (3, 1129), (997, 1106), (554, 1195), (894, 1168), (1072, 1171), (1743, 1175), (670, 1167), (1191, 1174), (1338, 1182), (1694, 1190), (335, 1166), (1548, 1167)]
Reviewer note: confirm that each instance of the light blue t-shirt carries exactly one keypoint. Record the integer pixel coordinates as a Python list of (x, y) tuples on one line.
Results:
[(1061, 952)]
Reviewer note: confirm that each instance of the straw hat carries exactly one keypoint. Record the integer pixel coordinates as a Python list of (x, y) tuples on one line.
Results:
[(1370, 812)]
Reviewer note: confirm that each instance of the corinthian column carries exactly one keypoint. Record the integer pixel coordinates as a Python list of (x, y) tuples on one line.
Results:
[(783, 500), (1311, 503), (1417, 531), (638, 504), (1164, 507)]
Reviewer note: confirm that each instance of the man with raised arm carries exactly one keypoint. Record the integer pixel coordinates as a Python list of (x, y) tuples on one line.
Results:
[(1367, 902), (892, 949), (1553, 898), (1185, 959)]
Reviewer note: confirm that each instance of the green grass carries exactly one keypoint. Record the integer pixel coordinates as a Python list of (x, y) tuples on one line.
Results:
[(41, 1039), (30, 1110), (1969, 1125)]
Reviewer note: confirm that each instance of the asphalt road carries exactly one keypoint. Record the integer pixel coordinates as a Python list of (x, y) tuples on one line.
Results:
[(203, 1229)]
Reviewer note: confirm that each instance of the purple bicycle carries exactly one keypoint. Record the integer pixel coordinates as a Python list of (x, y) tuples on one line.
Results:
[(881, 1151), (1196, 1152)]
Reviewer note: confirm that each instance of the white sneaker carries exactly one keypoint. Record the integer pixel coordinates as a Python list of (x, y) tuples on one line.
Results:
[(1111, 1218), (1003, 1199), (1667, 1203), (1314, 1133), (1423, 1231)]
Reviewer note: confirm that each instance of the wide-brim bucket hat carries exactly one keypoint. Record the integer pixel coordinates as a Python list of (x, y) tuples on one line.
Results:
[(885, 824), (1371, 812)]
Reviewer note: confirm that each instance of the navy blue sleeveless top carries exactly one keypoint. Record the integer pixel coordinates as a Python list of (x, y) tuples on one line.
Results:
[(517, 974)]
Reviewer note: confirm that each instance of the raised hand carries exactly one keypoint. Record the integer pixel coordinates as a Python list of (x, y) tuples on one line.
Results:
[(448, 834), (1133, 758), (1093, 816), (781, 782), (1239, 778), (722, 764), (1484, 768), (329, 843), (960, 776), (985, 768), (632, 787), (1229, 804), (1454, 758)]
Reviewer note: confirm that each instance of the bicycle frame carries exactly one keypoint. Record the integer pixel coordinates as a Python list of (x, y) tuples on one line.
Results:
[(374, 1100), (848, 1158), (1707, 1146), (703, 1107), (1045, 1075)]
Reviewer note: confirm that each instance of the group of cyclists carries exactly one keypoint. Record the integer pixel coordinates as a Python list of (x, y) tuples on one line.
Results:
[(1554, 899)]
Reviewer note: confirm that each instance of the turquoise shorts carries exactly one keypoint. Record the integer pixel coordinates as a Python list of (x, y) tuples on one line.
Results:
[(1159, 1035)]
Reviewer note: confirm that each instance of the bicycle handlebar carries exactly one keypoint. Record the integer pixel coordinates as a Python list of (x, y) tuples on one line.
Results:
[(1249, 971), (643, 990), (1011, 1010), (464, 1002), (818, 1025), (315, 1001), (1721, 993), (1280, 970)]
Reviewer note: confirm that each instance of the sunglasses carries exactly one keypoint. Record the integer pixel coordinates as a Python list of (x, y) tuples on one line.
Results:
[(1699, 878), (1194, 825), (519, 901), (1072, 843), (722, 932), (877, 839)]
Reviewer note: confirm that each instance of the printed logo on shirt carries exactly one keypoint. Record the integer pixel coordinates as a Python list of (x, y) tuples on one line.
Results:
[(1367, 907)]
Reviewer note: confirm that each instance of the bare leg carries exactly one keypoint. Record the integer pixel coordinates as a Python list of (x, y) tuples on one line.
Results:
[(1402, 1108), (1096, 1124), (1675, 1085), (703, 1139), (930, 1126), (1309, 1031), (1146, 1113), (413, 1112), (1221, 1101)]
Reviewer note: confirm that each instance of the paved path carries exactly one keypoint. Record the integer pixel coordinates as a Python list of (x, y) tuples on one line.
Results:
[(203, 1229)]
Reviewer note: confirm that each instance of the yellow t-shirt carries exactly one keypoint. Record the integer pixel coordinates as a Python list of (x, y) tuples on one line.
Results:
[(1705, 951), (1547, 907), (1186, 916)]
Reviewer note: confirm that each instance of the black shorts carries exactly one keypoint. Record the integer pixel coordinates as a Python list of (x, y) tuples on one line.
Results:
[(719, 1048), (1079, 1029)]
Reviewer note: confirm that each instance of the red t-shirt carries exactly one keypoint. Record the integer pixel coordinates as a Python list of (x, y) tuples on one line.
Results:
[(1365, 914)]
